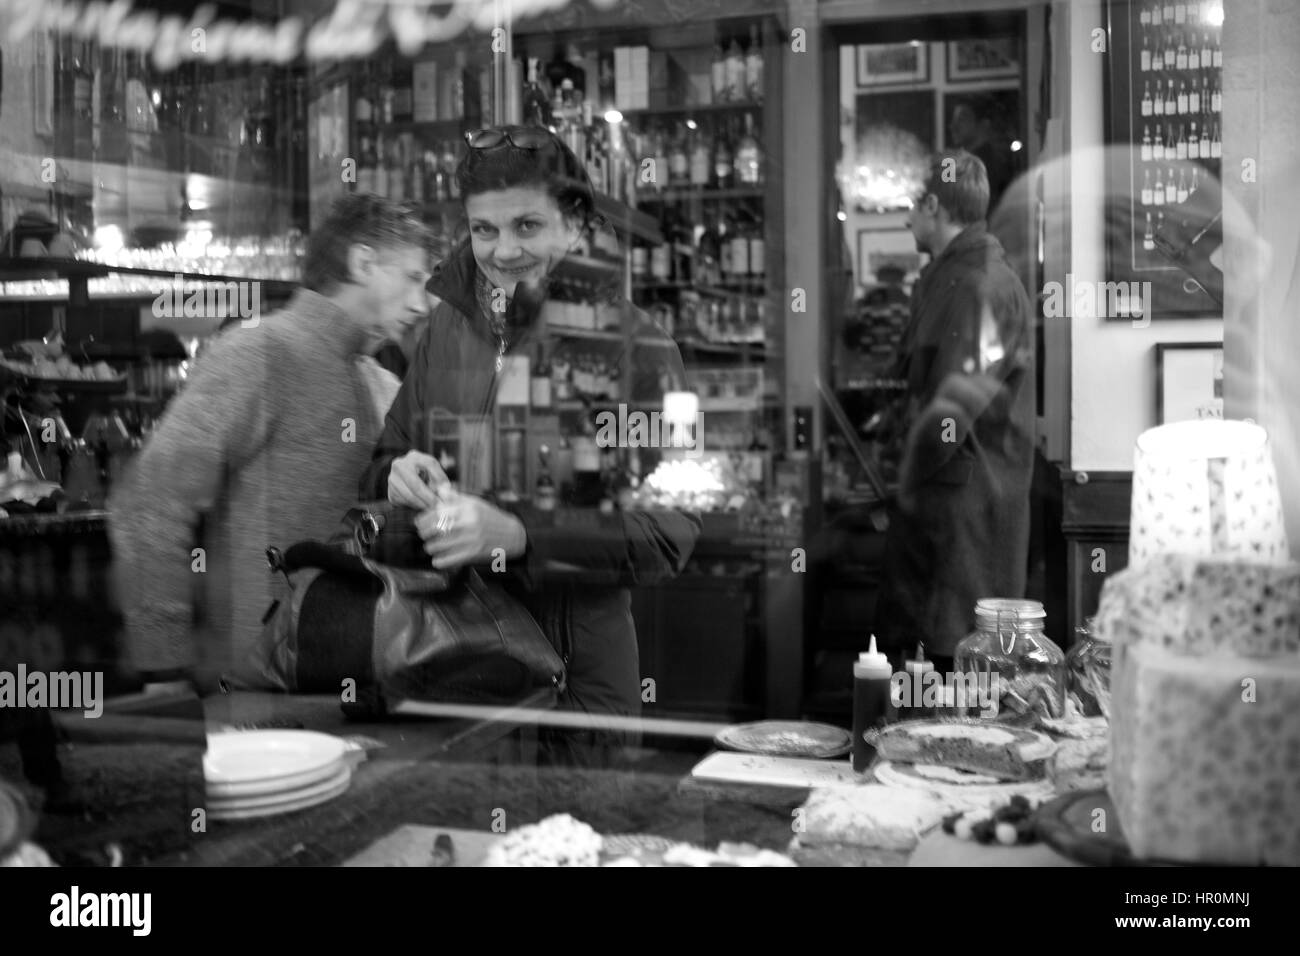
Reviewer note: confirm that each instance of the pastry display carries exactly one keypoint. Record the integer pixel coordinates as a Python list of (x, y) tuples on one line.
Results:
[(1205, 747), (981, 746), (1008, 824), (868, 825), (559, 840)]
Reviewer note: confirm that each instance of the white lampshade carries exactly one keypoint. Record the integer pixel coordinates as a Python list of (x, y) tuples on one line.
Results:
[(1206, 487)]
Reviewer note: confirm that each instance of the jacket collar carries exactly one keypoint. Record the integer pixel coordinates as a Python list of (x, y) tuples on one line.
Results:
[(455, 281)]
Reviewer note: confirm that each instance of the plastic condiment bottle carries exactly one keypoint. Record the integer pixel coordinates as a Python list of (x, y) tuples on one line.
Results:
[(871, 674), (916, 669)]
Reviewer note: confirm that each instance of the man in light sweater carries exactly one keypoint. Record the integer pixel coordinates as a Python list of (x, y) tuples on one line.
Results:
[(265, 441)]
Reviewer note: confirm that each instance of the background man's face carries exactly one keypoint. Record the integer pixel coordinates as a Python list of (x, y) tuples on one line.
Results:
[(395, 288), (964, 129), (921, 221)]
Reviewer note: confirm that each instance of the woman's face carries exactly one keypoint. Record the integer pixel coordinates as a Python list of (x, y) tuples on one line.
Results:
[(518, 235)]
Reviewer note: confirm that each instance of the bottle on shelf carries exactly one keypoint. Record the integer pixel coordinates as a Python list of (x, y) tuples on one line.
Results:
[(1194, 55), (1193, 144), (415, 174), (1148, 237), (1181, 194), (1171, 99), (708, 254), (1158, 194), (1194, 99), (739, 257), (1205, 147), (1158, 105), (757, 250), (735, 71), (718, 74), (1171, 188), (679, 162), (1146, 99), (1216, 144), (1180, 56), (1180, 150), (725, 228), (1144, 55), (1146, 144), (447, 163), (723, 159), (748, 160), (1146, 194), (701, 160), (754, 66), (1158, 147), (536, 107)]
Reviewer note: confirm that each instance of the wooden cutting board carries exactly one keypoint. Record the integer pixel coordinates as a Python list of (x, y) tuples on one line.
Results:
[(412, 845)]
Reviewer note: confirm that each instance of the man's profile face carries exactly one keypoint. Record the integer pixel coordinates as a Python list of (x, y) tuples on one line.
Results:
[(395, 288), (921, 220)]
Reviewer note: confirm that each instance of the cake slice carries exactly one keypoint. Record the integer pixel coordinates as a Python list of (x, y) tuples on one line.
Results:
[(981, 746)]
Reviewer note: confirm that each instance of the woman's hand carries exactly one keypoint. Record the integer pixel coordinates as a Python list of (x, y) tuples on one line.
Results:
[(415, 479), (464, 529)]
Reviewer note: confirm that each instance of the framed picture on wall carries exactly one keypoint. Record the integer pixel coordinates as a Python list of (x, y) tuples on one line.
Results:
[(883, 64), (975, 59), (1164, 163), (882, 248), (1189, 381)]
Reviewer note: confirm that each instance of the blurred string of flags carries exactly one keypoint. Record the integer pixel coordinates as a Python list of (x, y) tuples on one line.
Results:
[(326, 30)]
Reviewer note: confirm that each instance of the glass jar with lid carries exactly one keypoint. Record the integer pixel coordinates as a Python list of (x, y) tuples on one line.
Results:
[(1087, 667), (1018, 672)]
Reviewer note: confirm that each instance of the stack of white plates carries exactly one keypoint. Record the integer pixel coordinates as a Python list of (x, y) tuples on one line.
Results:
[(260, 773)]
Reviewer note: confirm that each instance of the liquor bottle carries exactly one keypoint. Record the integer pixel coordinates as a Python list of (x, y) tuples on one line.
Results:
[(661, 262), (679, 162), (757, 249), (1171, 52), (1193, 99), (739, 250), (1180, 13), (576, 72), (1158, 195), (1144, 57), (723, 160), (447, 163), (1158, 105), (1205, 141), (1180, 58), (1171, 100), (1158, 147), (1146, 99), (1181, 195), (718, 74), (1155, 15), (754, 66), (748, 159), (1216, 144), (709, 253), (724, 249), (381, 167), (1196, 180), (1194, 55), (366, 164), (735, 71), (1216, 97), (1171, 188), (1168, 14), (435, 189), (1206, 53), (1146, 144), (1146, 187), (1148, 237), (1193, 11), (701, 159), (1180, 151), (1182, 98), (1193, 145), (1217, 60), (1144, 17), (536, 109), (415, 175)]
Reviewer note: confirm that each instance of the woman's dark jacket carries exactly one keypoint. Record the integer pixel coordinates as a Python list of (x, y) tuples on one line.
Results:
[(574, 576)]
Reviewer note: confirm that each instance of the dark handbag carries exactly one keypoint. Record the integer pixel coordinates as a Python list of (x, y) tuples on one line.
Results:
[(367, 606)]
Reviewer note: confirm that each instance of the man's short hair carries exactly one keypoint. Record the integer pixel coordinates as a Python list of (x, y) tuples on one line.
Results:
[(358, 218), (960, 182)]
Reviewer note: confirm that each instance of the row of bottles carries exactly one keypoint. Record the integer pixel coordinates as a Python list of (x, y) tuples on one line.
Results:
[(1179, 141), (400, 168), (686, 154), (725, 248), (111, 106), (1180, 51), (1182, 98), (391, 90), (1189, 13), (1169, 185), (737, 75)]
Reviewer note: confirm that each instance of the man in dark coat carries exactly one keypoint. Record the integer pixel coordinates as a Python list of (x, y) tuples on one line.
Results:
[(964, 428)]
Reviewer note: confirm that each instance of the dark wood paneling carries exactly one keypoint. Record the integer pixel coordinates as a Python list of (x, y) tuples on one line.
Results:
[(1096, 526)]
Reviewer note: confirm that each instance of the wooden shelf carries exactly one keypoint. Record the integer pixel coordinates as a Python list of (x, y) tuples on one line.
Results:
[(605, 335), (679, 193), (628, 222), (755, 286), (589, 269), (701, 109), (81, 271)]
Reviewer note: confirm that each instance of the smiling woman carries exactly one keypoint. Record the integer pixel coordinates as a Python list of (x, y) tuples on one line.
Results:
[(527, 200)]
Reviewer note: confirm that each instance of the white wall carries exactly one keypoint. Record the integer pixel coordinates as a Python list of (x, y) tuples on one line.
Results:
[(1113, 363)]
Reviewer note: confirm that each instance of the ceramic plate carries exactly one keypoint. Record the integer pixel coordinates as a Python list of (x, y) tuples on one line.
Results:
[(291, 795), (288, 757), (786, 738), (303, 803)]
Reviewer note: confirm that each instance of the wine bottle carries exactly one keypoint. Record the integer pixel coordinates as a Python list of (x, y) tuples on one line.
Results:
[(748, 160), (1146, 99), (754, 66), (723, 161), (1193, 145), (1148, 237), (757, 248), (1180, 57), (718, 74), (1158, 194), (1158, 105), (679, 162), (735, 71), (1146, 144), (1146, 187), (1181, 195), (701, 160)]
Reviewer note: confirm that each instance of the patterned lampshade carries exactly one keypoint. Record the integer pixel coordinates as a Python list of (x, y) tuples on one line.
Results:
[(1206, 487)]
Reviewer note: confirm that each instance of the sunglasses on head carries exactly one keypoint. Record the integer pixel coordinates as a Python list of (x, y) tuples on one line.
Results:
[(521, 137)]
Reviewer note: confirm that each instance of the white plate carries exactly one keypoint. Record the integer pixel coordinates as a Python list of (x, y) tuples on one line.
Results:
[(258, 788), (289, 757), (291, 795), (249, 813)]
